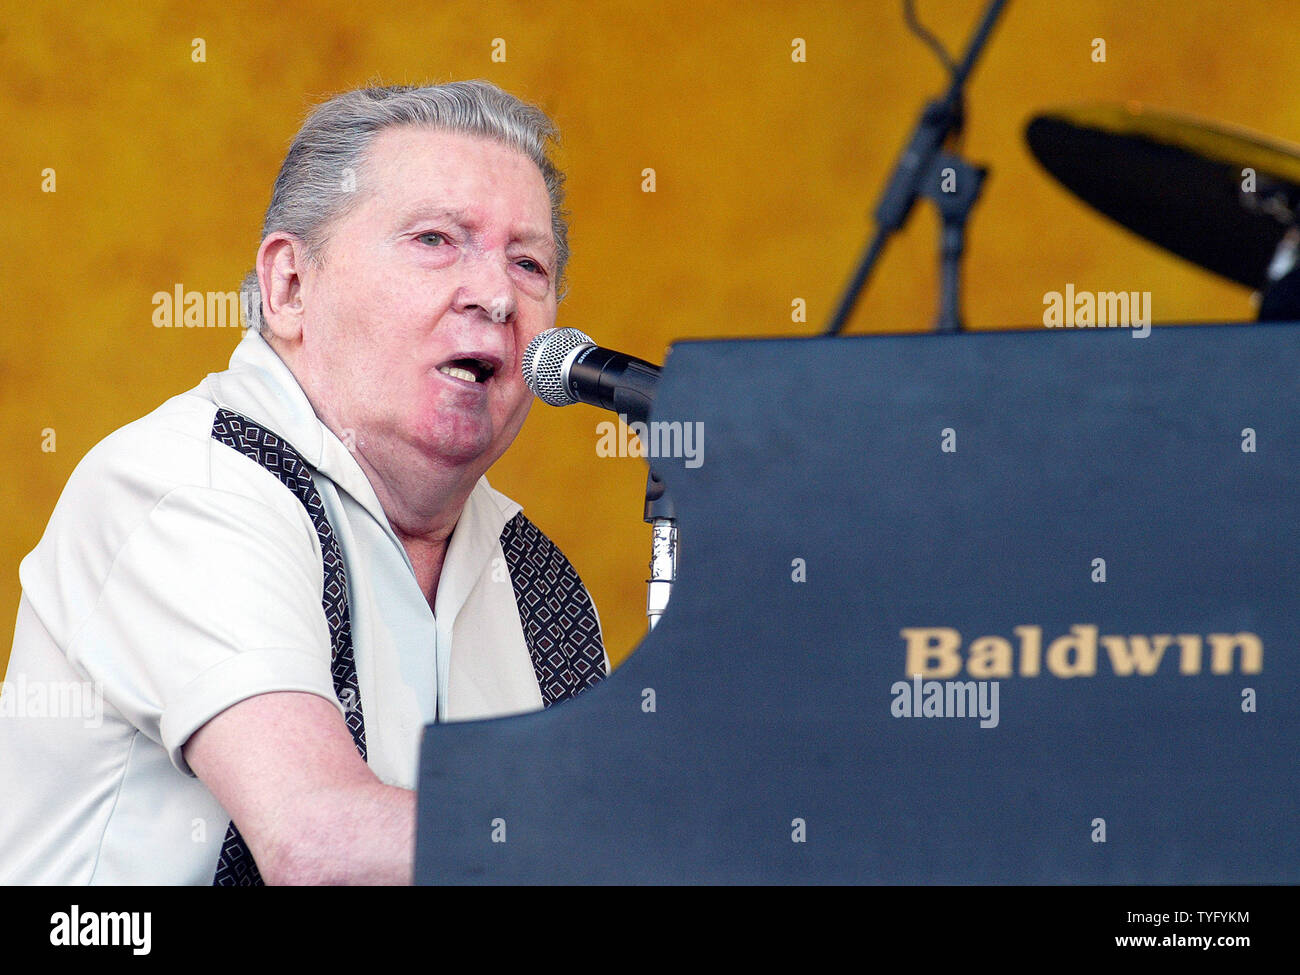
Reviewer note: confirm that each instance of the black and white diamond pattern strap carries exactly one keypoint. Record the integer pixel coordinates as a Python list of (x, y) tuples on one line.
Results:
[(559, 620), (235, 865)]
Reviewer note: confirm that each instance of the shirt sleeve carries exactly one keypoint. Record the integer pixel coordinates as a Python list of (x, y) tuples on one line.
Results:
[(214, 598)]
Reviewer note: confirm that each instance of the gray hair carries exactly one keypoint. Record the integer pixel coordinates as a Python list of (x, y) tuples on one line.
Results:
[(317, 181)]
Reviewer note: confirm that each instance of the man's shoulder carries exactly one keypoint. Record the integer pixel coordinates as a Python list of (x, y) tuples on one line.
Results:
[(524, 542), (171, 443), (172, 447), (502, 507), (125, 478)]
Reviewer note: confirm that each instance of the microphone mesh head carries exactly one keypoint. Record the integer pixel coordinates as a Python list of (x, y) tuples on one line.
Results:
[(543, 363)]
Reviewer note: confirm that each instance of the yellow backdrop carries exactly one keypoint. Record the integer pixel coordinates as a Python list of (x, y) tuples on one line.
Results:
[(766, 168)]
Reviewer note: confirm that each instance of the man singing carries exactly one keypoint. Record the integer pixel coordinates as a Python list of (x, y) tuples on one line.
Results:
[(276, 579)]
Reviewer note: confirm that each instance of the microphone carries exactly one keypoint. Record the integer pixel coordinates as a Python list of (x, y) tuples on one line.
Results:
[(563, 366)]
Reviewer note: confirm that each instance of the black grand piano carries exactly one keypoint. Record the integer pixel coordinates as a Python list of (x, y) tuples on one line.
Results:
[(1001, 607)]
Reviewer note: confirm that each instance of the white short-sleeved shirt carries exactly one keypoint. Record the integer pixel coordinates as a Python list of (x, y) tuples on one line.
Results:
[(176, 578)]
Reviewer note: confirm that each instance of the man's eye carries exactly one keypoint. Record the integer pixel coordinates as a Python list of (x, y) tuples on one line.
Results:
[(531, 266), (437, 238)]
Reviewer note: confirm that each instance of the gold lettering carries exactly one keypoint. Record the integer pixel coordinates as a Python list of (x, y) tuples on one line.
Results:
[(1083, 641), (1222, 645), (1031, 649), (1137, 653), (937, 643), (990, 656), (1191, 656)]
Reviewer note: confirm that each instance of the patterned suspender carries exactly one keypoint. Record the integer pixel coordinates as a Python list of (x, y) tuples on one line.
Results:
[(558, 619), (235, 865)]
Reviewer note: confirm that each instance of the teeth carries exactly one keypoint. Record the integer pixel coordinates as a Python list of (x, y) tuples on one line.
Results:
[(456, 372)]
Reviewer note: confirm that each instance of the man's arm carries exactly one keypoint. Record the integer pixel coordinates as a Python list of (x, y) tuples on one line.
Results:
[(285, 767)]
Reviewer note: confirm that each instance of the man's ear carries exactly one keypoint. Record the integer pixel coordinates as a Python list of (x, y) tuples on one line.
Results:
[(280, 262)]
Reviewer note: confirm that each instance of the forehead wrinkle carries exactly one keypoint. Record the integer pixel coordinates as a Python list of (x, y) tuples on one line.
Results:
[(426, 209)]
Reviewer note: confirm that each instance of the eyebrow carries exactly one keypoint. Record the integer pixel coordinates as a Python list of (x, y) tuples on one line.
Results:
[(428, 211), (420, 211), (544, 241)]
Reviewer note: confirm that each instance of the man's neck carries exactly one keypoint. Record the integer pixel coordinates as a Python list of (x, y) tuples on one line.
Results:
[(426, 558), (423, 505)]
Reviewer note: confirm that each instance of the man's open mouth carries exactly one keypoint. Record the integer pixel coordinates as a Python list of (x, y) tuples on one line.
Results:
[(470, 370)]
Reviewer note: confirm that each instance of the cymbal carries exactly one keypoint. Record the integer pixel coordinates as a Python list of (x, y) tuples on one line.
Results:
[(1178, 181)]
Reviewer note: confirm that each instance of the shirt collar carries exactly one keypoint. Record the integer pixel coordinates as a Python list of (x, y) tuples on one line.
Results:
[(260, 386)]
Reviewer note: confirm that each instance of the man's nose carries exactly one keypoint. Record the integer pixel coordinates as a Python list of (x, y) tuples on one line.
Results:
[(486, 288)]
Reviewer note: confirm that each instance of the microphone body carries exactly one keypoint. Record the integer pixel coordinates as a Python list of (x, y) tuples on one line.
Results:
[(563, 366), (613, 381)]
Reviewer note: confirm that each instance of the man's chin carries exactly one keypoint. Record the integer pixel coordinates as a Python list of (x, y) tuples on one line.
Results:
[(459, 447), (459, 454), (467, 438)]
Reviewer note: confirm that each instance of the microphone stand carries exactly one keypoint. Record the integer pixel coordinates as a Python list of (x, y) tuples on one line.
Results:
[(662, 518), (921, 171)]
